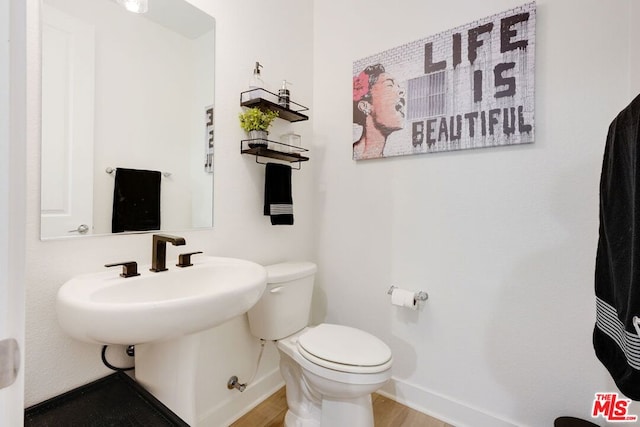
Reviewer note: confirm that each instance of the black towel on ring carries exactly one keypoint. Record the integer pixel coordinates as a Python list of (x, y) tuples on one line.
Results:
[(278, 202), (136, 200)]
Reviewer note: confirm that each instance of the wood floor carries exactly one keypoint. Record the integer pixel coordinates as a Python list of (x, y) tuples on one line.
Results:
[(386, 413)]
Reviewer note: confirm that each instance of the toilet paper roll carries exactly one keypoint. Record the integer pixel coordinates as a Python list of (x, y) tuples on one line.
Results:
[(403, 298)]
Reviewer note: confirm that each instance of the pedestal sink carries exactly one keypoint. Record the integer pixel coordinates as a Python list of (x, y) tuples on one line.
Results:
[(161, 313), (105, 308)]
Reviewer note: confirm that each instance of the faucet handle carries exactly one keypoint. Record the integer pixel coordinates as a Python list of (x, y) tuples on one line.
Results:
[(129, 268), (184, 260)]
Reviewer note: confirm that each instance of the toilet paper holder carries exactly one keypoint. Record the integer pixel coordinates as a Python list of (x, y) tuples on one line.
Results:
[(417, 296)]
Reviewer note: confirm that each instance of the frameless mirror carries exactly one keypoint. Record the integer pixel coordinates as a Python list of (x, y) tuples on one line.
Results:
[(125, 92)]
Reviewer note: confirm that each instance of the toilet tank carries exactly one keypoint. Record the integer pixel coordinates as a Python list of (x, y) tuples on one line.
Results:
[(285, 305)]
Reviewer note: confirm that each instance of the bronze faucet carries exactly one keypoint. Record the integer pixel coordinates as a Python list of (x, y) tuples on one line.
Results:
[(159, 255)]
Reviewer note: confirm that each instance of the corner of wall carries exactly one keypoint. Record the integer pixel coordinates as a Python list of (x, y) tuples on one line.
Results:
[(634, 52)]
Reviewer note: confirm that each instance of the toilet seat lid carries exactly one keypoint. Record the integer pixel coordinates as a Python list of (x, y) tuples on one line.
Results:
[(343, 348)]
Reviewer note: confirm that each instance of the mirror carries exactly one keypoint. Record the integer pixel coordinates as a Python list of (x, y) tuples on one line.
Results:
[(123, 91)]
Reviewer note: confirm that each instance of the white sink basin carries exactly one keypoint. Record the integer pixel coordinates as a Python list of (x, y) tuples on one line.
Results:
[(105, 308)]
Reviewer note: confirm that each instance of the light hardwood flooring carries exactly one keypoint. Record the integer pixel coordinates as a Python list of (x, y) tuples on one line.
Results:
[(386, 413)]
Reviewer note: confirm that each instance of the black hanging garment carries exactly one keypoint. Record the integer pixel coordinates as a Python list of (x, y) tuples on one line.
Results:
[(278, 202), (136, 200), (616, 337)]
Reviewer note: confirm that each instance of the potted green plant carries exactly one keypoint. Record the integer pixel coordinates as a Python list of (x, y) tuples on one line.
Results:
[(256, 123)]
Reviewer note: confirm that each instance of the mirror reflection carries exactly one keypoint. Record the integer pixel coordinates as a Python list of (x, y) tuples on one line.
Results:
[(127, 117)]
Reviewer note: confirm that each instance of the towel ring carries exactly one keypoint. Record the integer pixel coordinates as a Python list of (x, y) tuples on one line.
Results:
[(297, 169), (111, 170)]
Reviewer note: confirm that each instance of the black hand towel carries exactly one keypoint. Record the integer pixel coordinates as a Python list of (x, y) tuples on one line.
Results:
[(278, 203), (136, 200), (616, 337)]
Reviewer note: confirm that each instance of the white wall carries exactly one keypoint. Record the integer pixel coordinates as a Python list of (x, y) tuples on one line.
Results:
[(56, 363), (502, 239), (634, 37)]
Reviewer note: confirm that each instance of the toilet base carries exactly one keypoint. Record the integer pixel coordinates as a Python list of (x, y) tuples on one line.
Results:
[(357, 411), (293, 420)]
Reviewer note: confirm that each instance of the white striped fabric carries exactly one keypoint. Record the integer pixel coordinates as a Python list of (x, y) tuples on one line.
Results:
[(607, 321), (281, 209)]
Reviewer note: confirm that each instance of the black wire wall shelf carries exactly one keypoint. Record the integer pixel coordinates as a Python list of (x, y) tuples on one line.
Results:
[(264, 148), (265, 100)]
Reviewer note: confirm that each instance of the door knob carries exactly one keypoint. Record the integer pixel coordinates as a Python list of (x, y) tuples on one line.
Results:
[(82, 228), (9, 361)]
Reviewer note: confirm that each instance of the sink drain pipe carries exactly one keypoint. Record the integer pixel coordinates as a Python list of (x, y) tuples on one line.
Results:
[(235, 383), (130, 352)]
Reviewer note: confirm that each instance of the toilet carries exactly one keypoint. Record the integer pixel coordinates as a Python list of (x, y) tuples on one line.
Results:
[(329, 370)]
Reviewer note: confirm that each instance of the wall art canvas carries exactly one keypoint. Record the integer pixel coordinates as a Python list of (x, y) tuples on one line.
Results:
[(468, 87), (208, 139)]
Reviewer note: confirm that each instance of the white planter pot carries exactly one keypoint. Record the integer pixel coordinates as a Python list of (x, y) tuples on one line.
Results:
[(258, 138)]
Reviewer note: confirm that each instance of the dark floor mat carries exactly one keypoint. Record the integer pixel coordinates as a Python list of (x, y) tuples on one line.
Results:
[(116, 400)]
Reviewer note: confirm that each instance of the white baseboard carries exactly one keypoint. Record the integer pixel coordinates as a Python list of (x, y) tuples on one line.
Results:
[(441, 407), (238, 404), (428, 402)]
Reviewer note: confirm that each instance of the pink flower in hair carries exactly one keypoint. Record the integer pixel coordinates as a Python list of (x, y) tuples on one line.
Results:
[(360, 86)]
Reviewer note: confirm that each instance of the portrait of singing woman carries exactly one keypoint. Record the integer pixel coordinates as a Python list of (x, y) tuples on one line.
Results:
[(379, 107)]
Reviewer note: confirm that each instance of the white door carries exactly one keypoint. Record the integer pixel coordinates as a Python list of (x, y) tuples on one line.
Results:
[(67, 125), (12, 226)]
